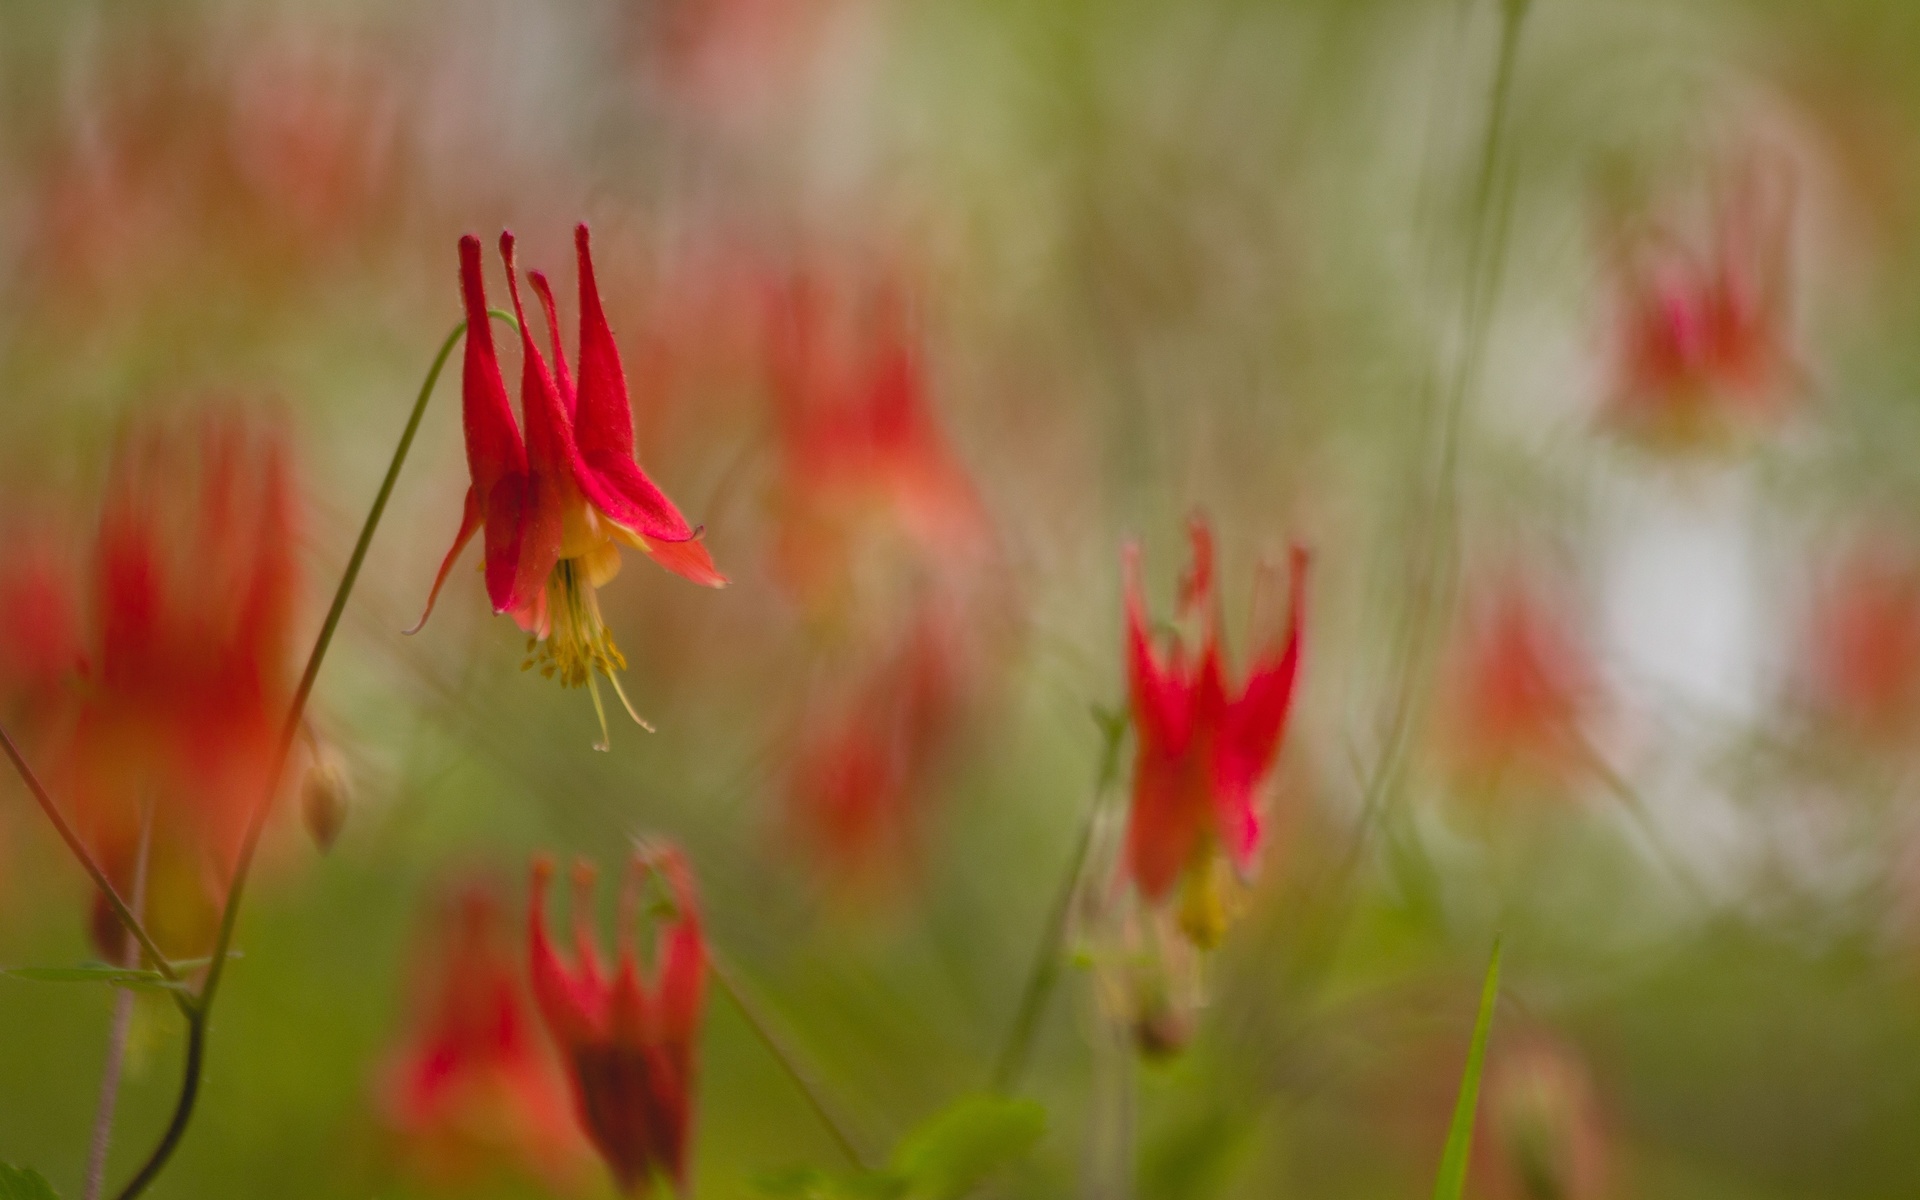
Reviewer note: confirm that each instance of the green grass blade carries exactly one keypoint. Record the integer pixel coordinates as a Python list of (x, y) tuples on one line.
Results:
[(1453, 1163)]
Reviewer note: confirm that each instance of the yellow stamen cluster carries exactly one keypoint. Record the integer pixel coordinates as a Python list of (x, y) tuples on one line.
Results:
[(578, 642), (1206, 905)]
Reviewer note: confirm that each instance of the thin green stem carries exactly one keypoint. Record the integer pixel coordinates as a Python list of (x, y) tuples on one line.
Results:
[(296, 713), (1629, 798), (289, 732), (1045, 972), (182, 1109), (1434, 571), (121, 912), (96, 1176), (1434, 575), (835, 1124)]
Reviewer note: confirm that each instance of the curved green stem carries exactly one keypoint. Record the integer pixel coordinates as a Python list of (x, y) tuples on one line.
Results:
[(182, 1109), (1045, 972), (803, 1079), (124, 914), (257, 822)]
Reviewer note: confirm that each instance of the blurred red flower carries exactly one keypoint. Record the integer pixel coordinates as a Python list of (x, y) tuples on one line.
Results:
[(40, 635), (864, 467), (473, 1089), (628, 1044), (734, 62), (557, 506), (1703, 347), (863, 771), (187, 674), (265, 154), (1863, 646), (1544, 1139), (1203, 750), (1514, 694)]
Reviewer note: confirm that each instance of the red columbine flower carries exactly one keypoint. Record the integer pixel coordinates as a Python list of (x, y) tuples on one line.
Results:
[(473, 1087), (628, 1044), (557, 507), (1703, 350), (1203, 750), (189, 674)]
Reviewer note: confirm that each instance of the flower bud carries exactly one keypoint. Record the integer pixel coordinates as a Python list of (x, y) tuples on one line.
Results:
[(1545, 1120), (325, 795), (1149, 984)]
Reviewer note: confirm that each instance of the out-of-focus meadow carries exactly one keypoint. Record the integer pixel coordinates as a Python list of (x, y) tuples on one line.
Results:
[(1573, 341)]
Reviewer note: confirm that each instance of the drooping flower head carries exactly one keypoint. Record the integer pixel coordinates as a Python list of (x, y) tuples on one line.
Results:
[(628, 1041), (1703, 352), (189, 673), (557, 506), (473, 1089), (1204, 747)]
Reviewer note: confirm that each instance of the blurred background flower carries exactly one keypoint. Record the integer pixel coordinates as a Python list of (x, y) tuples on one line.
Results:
[(926, 310)]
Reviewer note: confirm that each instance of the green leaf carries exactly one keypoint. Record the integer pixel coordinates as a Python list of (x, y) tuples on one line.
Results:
[(127, 977), (24, 1183), (952, 1152), (1453, 1163)]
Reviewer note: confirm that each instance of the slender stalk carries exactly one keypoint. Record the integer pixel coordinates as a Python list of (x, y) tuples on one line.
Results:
[(1629, 798), (1434, 575), (1111, 1154), (125, 915), (182, 1109), (1045, 972), (256, 824), (122, 1023), (1433, 571), (789, 1062)]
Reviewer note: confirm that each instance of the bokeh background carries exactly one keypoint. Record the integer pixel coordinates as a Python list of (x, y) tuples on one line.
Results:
[(1615, 653)]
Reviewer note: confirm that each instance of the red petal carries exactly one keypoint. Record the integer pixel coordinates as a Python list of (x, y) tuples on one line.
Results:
[(612, 479), (1157, 693), (469, 525), (1196, 586), (550, 444), (683, 981), (505, 522), (574, 1014), (552, 461), (494, 449), (688, 559), (561, 376), (1251, 731), (1169, 815), (543, 529), (683, 957)]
